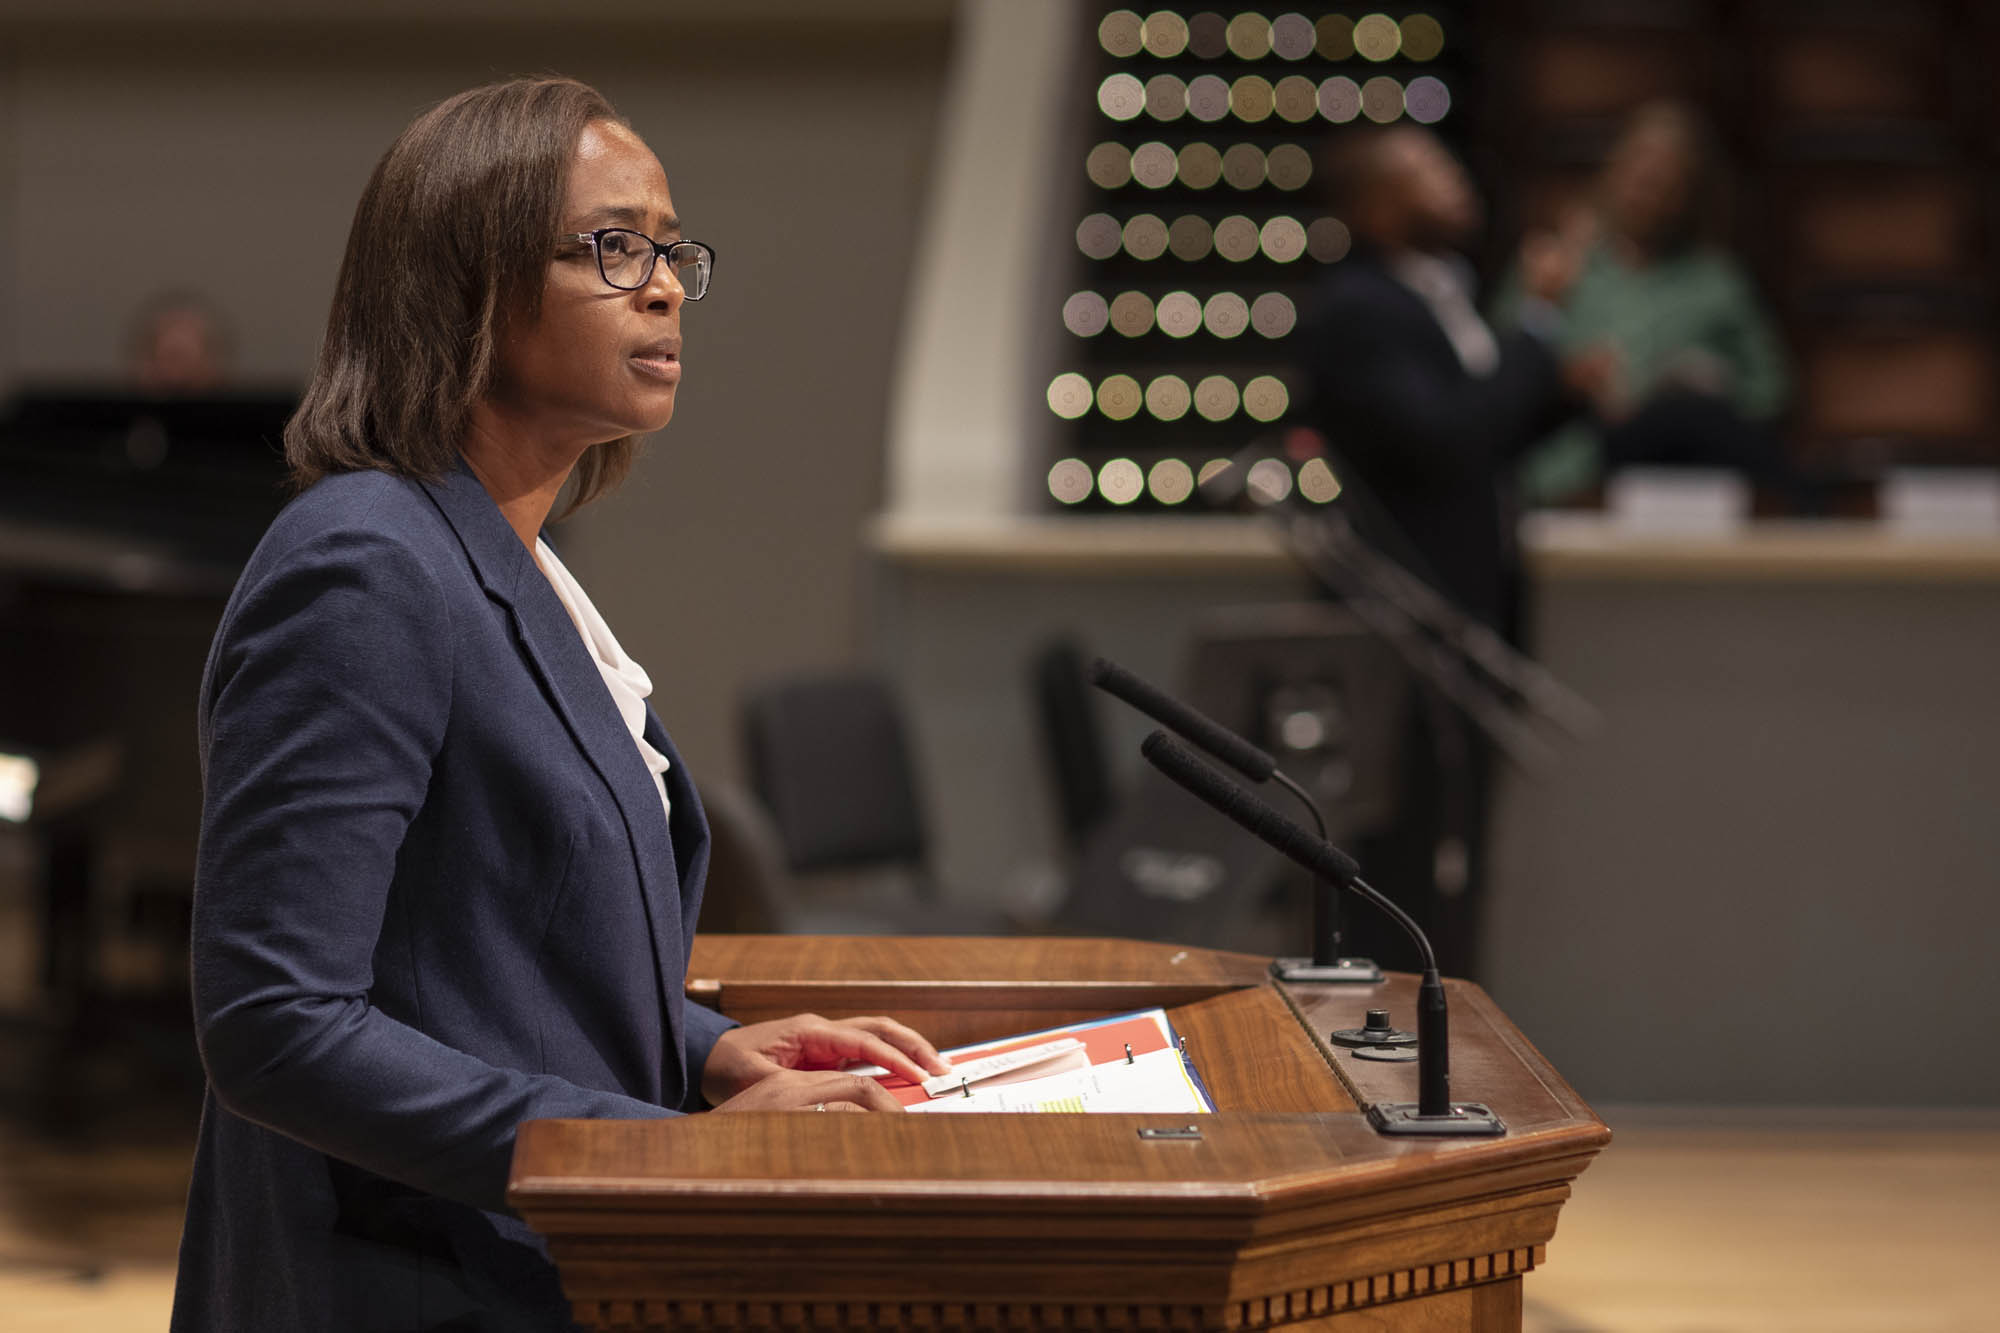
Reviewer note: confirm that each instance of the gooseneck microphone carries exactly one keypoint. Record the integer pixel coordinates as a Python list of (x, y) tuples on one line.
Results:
[(1434, 1111), (1325, 962), (1197, 727), (1273, 829)]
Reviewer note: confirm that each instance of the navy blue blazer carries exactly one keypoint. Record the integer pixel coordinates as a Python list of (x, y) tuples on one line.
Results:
[(436, 896)]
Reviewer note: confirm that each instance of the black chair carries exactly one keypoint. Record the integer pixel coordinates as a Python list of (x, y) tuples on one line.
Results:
[(747, 891), (1072, 740), (829, 760)]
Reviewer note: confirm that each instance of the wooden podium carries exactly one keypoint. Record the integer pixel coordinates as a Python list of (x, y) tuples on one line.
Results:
[(1289, 1212)]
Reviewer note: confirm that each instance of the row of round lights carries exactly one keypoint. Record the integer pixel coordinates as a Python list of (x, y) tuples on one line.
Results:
[(1169, 397), (1254, 99), (1199, 166), (1208, 36), (1146, 236), (1173, 481), (1179, 314)]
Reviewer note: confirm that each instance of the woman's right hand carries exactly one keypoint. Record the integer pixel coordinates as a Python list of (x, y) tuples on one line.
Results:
[(1596, 376), (812, 1090), (1552, 260)]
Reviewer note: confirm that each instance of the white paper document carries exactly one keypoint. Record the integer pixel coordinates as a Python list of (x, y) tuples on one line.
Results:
[(1154, 1083)]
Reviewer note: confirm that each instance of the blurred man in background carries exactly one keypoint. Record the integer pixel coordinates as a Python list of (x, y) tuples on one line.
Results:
[(1425, 402), (179, 347), (1426, 408)]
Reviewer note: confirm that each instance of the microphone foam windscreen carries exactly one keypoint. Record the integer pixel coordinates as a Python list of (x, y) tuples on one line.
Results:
[(1179, 763), (1171, 713)]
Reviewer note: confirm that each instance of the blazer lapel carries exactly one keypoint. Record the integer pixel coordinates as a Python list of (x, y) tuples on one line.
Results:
[(551, 644)]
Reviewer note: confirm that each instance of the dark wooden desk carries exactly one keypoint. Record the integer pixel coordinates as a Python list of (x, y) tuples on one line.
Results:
[(1290, 1212)]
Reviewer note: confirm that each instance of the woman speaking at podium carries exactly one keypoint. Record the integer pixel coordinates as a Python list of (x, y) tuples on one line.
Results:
[(450, 861)]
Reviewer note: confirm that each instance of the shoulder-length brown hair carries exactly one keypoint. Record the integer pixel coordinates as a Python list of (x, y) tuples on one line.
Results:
[(1706, 206), (451, 241)]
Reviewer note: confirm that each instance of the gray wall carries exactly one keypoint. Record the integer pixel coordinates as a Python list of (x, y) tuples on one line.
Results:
[(222, 148), (1771, 877)]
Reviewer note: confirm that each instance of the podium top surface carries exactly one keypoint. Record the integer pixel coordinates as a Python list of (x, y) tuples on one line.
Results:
[(1027, 964), (1289, 1102), (1287, 1206)]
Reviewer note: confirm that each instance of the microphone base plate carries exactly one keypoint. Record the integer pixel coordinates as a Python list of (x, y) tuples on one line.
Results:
[(1466, 1118), (1366, 1037), (1362, 971)]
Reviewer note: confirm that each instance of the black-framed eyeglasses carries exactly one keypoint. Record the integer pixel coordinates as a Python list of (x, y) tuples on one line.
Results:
[(625, 259)]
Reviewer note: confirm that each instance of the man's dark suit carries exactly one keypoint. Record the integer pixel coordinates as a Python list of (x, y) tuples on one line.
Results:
[(436, 896), (1430, 443), (1430, 440)]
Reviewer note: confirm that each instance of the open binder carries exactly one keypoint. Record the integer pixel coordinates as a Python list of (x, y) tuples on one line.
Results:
[(1132, 1062)]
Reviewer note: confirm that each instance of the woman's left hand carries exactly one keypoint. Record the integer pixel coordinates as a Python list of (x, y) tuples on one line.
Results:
[(742, 1056)]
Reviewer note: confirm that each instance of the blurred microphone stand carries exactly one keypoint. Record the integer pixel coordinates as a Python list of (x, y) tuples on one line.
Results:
[(1508, 695)]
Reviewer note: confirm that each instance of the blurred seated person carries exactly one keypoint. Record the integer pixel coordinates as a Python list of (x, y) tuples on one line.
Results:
[(1427, 408), (179, 348), (1699, 376)]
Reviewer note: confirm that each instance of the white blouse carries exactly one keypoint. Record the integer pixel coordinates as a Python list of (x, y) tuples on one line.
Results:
[(627, 680)]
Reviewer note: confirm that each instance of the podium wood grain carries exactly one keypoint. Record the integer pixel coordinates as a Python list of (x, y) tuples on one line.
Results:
[(1289, 1212)]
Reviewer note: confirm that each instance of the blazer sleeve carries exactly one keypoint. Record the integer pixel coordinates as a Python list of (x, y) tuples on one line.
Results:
[(704, 1028), (1413, 417), (325, 707)]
